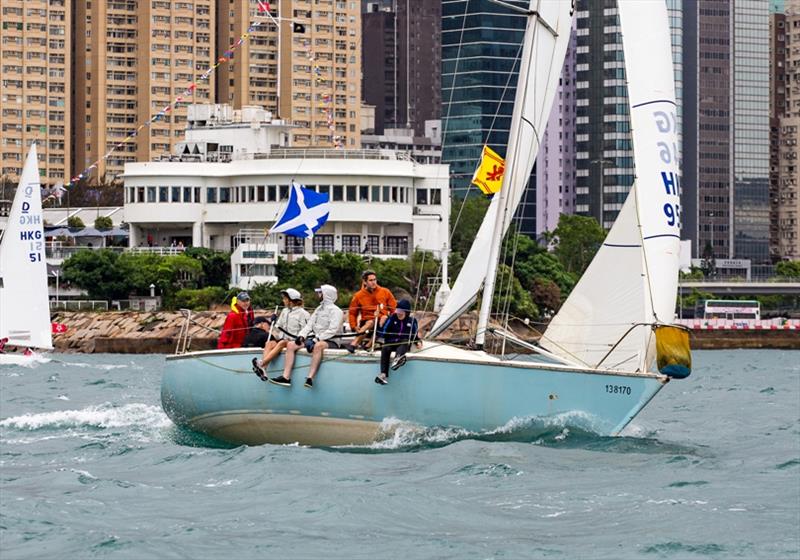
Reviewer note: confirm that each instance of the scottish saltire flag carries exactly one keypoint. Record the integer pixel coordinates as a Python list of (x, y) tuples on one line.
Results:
[(306, 212)]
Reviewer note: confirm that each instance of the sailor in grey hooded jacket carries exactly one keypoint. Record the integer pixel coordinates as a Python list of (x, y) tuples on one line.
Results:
[(326, 321)]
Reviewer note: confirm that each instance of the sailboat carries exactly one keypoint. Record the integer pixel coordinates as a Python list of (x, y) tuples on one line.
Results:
[(24, 304), (601, 360)]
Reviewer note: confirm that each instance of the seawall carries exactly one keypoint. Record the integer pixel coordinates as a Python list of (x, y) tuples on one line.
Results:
[(134, 332)]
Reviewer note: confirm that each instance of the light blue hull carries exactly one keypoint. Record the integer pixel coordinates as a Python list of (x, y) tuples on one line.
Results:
[(216, 393)]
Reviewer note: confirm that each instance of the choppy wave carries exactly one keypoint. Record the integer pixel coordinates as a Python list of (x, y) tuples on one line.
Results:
[(106, 415)]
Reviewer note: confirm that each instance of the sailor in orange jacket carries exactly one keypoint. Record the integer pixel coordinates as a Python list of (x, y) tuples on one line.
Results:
[(369, 301), (237, 323)]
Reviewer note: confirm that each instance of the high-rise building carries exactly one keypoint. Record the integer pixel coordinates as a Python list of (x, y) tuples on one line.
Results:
[(726, 128), (131, 60), (307, 72), (555, 164), (750, 113), (35, 95), (604, 150), (481, 48), (777, 106), (788, 217), (402, 57)]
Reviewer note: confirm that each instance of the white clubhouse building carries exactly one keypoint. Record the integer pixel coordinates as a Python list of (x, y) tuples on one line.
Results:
[(217, 193)]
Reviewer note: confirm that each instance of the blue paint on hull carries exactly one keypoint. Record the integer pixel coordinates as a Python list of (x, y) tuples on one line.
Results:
[(217, 393)]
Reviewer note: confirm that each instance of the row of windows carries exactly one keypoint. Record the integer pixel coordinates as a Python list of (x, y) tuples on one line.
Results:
[(326, 243), (275, 193)]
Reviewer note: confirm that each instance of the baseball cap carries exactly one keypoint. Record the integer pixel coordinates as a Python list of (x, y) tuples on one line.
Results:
[(292, 294), (243, 296), (259, 320)]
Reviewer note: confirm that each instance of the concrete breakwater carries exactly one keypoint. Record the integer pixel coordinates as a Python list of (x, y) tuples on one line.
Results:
[(132, 332)]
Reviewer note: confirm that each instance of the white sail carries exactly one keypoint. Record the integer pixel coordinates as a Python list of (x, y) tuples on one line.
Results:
[(544, 48), (633, 278), (608, 300), (24, 306)]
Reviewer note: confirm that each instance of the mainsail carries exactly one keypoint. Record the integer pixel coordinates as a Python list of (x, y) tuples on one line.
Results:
[(24, 305), (632, 281), (544, 48)]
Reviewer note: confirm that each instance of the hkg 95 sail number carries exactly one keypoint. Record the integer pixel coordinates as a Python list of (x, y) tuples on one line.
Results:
[(618, 389)]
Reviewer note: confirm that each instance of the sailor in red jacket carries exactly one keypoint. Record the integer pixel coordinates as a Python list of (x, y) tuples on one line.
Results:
[(237, 323)]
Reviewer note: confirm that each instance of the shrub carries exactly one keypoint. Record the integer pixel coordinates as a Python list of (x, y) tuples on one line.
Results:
[(200, 299), (103, 223), (74, 222)]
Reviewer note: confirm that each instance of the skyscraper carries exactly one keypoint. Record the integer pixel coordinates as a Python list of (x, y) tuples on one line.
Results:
[(788, 215), (604, 150), (555, 164), (402, 57), (35, 94), (308, 72), (726, 128), (481, 47)]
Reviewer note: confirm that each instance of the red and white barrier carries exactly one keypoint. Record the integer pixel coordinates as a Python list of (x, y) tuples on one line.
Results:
[(740, 324)]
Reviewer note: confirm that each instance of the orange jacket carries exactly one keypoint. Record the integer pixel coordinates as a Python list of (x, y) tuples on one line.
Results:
[(367, 303)]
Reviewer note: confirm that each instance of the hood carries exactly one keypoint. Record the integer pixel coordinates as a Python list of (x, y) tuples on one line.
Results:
[(329, 293)]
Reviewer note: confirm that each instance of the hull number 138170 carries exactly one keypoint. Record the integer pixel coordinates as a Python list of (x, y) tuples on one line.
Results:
[(618, 389)]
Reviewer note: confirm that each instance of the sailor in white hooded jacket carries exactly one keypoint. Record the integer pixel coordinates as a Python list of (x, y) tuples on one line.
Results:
[(315, 336)]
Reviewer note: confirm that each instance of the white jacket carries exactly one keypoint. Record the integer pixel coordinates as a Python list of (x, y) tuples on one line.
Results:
[(291, 320), (326, 321)]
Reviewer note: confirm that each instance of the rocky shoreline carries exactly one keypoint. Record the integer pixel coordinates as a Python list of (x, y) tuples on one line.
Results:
[(134, 332)]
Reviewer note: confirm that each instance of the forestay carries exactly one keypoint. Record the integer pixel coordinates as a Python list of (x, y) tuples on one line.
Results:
[(632, 281), (24, 305), (546, 39)]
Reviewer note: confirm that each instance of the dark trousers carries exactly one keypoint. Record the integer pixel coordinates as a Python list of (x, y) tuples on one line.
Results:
[(386, 354)]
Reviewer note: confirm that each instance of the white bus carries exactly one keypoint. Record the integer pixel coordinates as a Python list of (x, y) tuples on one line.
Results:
[(732, 309)]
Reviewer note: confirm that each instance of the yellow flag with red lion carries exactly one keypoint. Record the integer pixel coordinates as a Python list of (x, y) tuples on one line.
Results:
[(489, 175)]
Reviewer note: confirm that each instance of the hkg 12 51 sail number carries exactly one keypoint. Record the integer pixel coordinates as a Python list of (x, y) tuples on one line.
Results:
[(618, 389)]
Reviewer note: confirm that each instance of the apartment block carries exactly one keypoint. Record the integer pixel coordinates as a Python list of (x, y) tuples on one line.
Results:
[(35, 84), (306, 70), (131, 60), (789, 152)]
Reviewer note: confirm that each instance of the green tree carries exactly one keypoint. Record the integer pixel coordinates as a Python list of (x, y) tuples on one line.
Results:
[(546, 295), (510, 295), (97, 273), (545, 266), (695, 273), (103, 223), (74, 222), (216, 266), (465, 220), (343, 269), (788, 269), (576, 239), (200, 299)]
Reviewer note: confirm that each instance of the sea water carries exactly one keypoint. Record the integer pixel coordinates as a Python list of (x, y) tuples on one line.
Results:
[(90, 467)]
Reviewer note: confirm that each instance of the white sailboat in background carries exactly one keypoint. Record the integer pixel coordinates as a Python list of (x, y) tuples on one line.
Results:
[(600, 357), (24, 303)]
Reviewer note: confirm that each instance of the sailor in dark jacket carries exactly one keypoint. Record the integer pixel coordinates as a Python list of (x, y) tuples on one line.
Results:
[(399, 332)]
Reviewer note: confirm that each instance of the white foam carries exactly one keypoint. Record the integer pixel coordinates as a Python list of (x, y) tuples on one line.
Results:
[(99, 416)]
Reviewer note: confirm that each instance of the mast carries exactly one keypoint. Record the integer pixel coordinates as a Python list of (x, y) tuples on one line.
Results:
[(512, 163)]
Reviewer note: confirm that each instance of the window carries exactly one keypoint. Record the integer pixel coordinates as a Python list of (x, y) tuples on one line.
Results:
[(272, 193), (395, 245), (376, 194), (436, 196), (351, 193), (151, 194), (363, 193), (338, 192), (284, 192), (260, 193), (351, 243), (323, 244), (187, 194), (176, 194), (211, 194), (294, 245), (422, 196), (224, 195), (163, 194), (373, 244)]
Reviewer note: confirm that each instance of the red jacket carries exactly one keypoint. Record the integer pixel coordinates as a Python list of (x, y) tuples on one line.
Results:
[(237, 323)]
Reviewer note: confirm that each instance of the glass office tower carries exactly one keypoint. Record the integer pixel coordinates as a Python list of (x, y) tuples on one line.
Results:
[(481, 47)]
